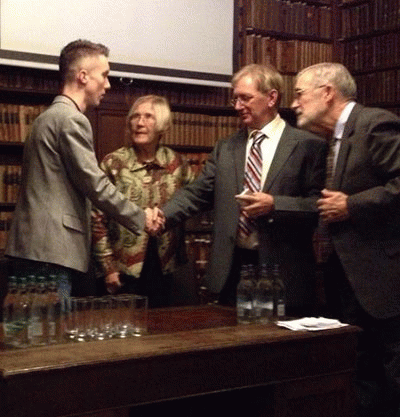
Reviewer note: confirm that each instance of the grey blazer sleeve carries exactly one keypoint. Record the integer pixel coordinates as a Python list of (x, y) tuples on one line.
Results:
[(76, 146), (193, 198)]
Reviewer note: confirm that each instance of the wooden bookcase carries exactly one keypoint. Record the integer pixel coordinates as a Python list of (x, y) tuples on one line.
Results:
[(370, 45), (290, 35), (24, 94)]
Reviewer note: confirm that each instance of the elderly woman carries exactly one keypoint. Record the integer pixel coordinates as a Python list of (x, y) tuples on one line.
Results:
[(149, 174)]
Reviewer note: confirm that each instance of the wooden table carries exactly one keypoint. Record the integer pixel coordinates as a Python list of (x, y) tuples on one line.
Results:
[(195, 356)]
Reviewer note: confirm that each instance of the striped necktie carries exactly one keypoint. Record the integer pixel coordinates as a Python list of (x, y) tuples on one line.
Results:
[(322, 239), (330, 163), (252, 178)]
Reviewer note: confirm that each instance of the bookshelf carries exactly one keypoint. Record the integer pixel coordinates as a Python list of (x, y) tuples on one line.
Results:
[(370, 40), (290, 35), (24, 95)]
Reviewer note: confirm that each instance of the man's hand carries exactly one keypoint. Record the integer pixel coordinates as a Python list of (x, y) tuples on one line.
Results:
[(155, 221), (256, 204), (113, 282), (333, 206)]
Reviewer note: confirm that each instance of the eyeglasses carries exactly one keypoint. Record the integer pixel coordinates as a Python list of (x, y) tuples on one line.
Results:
[(244, 100), (146, 117), (299, 92)]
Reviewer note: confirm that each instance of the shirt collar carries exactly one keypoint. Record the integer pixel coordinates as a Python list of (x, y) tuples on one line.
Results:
[(159, 160), (273, 127), (344, 116)]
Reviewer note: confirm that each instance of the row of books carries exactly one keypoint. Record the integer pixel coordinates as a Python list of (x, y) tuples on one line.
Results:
[(294, 17), (188, 128), (374, 15), (371, 53), (190, 96), (195, 129), (5, 224), (379, 87), (10, 181), (27, 80), (16, 121), (287, 56)]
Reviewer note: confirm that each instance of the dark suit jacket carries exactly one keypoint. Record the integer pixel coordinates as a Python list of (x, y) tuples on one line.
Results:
[(295, 179), (368, 245), (61, 178)]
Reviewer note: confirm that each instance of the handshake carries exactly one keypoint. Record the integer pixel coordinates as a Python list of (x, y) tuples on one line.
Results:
[(155, 221)]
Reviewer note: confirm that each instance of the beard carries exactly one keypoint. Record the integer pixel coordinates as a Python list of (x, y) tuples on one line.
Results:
[(311, 121)]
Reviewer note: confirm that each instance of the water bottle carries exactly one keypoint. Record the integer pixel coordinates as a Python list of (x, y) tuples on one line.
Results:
[(279, 295), (38, 323), (54, 311), (245, 295), (9, 325), (22, 314), (264, 296), (64, 291)]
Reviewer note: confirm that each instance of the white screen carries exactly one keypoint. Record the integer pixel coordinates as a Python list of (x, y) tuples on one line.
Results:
[(185, 35)]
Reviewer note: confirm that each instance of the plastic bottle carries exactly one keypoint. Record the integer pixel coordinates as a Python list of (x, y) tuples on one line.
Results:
[(279, 310), (22, 314), (264, 296), (10, 328), (53, 312), (245, 295), (38, 323)]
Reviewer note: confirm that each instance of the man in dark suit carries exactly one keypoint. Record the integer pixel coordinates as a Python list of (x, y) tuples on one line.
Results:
[(282, 213), (50, 231), (362, 211)]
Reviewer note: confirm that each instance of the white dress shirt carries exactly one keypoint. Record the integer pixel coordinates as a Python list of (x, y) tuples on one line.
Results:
[(273, 131)]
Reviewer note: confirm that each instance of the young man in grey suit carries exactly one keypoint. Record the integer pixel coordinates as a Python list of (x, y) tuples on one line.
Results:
[(361, 208), (282, 212), (50, 231)]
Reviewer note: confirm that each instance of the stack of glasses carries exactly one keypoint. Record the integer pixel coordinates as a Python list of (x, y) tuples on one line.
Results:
[(102, 318)]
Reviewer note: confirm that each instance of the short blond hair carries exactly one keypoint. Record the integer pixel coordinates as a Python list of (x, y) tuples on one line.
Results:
[(161, 109), (266, 78)]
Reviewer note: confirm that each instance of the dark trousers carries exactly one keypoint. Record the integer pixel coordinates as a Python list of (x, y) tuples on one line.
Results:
[(378, 352)]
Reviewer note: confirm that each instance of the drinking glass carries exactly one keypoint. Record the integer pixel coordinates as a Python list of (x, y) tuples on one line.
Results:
[(101, 320), (83, 315), (125, 307), (140, 315), (70, 319)]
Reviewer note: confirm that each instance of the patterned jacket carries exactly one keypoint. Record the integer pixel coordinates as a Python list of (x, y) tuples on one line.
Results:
[(148, 185)]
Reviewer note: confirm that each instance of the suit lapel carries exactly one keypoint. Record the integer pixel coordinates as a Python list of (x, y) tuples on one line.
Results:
[(285, 148), (238, 147), (345, 146)]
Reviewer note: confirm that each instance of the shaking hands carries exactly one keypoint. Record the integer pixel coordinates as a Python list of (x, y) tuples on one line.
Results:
[(155, 221)]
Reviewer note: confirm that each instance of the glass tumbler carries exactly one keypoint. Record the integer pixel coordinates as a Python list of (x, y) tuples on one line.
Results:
[(140, 315)]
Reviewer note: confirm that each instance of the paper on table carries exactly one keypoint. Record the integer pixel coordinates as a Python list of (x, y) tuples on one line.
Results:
[(311, 323)]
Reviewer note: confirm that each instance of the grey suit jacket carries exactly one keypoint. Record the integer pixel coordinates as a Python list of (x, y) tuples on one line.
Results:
[(295, 179), (60, 179), (368, 245)]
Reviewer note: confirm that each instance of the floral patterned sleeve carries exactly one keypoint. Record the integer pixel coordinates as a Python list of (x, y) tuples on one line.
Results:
[(102, 248), (188, 174)]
